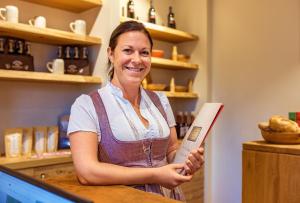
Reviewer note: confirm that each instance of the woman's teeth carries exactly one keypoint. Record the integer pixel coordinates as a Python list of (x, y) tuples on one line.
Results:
[(134, 69)]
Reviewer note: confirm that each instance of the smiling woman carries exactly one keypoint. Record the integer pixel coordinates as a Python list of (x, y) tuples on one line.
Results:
[(124, 134)]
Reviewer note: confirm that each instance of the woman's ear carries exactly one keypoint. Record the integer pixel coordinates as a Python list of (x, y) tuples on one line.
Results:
[(110, 55)]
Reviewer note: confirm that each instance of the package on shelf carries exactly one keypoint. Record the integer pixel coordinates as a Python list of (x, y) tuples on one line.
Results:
[(52, 138), (27, 140), (13, 142), (75, 59), (63, 122), (40, 139), (15, 54)]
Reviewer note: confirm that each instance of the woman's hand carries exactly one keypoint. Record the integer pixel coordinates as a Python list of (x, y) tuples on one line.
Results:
[(169, 177), (195, 161)]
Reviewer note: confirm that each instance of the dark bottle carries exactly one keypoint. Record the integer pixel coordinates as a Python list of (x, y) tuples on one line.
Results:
[(27, 48), (152, 13), (179, 124), (171, 18), (59, 52), (130, 9), (2, 45)]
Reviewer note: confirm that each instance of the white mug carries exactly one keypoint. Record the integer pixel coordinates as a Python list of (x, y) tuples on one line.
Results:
[(78, 27), (10, 14), (38, 21), (57, 66)]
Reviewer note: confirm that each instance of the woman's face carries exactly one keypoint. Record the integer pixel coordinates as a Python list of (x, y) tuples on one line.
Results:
[(131, 58)]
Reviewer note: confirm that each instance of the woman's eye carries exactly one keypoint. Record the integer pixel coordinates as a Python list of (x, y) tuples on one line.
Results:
[(127, 51), (145, 53)]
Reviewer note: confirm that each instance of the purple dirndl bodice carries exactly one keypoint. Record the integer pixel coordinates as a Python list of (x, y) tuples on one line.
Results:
[(144, 153)]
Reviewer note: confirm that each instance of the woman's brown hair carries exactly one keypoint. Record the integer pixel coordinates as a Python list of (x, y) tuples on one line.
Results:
[(124, 27)]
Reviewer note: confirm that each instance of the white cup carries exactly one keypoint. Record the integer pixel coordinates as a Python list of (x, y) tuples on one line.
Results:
[(38, 21), (10, 14), (78, 27), (57, 66)]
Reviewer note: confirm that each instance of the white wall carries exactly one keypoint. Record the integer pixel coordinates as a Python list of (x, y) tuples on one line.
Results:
[(255, 71)]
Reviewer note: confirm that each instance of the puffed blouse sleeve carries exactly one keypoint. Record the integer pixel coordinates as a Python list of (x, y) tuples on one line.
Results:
[(83, 116)]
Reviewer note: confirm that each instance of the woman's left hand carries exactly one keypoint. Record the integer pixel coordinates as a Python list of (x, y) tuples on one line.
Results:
[(195, 161)]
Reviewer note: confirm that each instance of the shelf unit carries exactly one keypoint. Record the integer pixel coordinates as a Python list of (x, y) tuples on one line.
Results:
[(76, 6), (171, 64), (26, 162), (45, 35), (47, 77), (182, 95), (165, 33)]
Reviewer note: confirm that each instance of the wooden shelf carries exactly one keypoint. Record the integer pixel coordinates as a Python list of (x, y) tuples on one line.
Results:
[(69, 5), (45, 35), (47, 77), (170, 64), (165, 33), (183, 95), (28, 162)]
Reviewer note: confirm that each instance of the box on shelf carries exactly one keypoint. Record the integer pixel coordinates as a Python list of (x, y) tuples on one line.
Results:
[(15, 54), (77, 67)]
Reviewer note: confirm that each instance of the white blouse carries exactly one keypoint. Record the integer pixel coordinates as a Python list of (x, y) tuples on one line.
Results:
[(124, 122)]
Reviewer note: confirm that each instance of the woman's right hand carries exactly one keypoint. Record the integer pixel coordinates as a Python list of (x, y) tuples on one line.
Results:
[(169, 177)]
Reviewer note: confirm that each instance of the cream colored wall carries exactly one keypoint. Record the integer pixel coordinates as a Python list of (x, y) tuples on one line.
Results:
[(255, 72)]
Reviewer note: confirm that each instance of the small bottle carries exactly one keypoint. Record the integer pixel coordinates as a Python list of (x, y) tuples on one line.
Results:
[(84, 53), (186, 123), (68, 52), (174, 53), (179, 124), (172, 85), (130, 9), (27, 48), (171, 18), (20, 47), (59, 52), (76, 52), (11, 46), (2, 43), (152, 13), (190, 85)]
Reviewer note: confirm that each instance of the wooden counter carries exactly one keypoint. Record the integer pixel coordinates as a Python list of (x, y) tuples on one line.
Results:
[(107, 194), (271, 173)]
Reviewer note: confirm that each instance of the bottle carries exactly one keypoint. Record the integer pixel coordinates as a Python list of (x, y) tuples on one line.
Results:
[(11, 46), (179, 124), (172, 85), (186, 122), (59, 52), (152, 13), (2, 43), (84, 53), (76, 52), (19, 47), (130, 9), (68, 52), (27, 48), (174, 53), (171, 18)]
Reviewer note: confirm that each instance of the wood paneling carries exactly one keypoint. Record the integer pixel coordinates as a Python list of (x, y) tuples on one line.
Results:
[(270, 176), (194, 190)]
